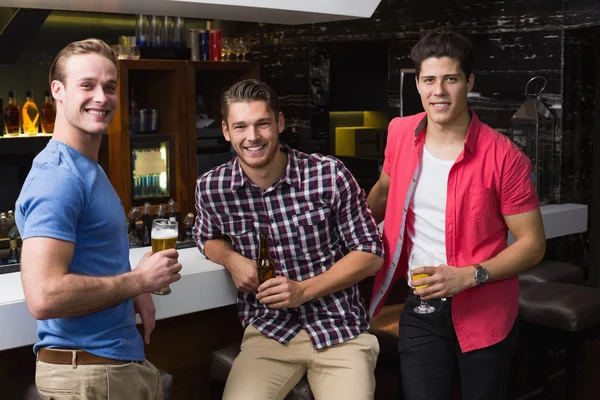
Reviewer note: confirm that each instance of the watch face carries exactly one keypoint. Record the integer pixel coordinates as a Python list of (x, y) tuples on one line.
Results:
[(481, 275)]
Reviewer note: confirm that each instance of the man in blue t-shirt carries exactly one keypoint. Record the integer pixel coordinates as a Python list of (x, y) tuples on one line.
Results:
[(75, 260)]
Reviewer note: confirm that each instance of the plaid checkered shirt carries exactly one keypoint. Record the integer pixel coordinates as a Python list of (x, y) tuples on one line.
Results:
[(313, 216)]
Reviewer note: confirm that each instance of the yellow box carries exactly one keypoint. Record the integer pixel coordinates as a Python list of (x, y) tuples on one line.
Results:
[(359, 141)]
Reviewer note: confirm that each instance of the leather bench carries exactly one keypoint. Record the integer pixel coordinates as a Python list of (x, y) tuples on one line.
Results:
[(557, 321), (167, 382), (222, 361), (552, 271)]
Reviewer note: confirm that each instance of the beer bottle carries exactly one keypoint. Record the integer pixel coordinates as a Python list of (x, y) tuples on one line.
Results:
[(146, 225), (160, 212), (172, 216), (13, 254), (264, 264)]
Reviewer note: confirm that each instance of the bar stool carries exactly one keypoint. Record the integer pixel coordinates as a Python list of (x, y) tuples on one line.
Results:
[(167, 382), (222, 361)]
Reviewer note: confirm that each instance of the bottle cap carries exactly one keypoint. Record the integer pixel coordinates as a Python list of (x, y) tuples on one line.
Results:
[(11, 93), (28, 93)]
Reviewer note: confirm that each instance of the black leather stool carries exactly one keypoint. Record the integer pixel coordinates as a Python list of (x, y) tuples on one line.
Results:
[(561, 317), (167, 382), (222, 361), (552, 271)]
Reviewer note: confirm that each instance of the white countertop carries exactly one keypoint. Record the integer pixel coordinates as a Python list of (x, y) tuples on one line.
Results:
[(205, 285)]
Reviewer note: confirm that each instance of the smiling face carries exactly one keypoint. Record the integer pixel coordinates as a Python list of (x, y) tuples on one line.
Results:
[(88, 96), (443, 88), (253, 132)]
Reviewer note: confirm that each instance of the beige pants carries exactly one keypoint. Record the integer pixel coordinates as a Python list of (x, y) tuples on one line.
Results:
[(268, 370), (98, 382)]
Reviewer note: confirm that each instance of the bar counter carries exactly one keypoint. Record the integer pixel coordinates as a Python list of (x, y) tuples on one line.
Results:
[(204, 285)]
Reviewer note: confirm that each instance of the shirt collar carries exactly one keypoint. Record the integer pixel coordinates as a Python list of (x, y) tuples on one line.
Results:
[(472, 131), (291, 175)]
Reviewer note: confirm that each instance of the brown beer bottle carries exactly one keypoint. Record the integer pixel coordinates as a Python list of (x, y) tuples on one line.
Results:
[(264, 264)]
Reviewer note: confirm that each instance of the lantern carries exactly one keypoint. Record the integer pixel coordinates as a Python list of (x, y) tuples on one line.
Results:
[(532, 130)]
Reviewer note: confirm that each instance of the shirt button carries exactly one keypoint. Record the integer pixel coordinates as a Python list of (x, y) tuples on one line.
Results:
[(414, 179), (393, 264), (381, 291), (405, 210)]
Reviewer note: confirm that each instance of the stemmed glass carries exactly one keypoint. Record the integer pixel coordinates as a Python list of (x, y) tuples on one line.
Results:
[(237, 49), (226, 49), (243, 49), (417, 260)]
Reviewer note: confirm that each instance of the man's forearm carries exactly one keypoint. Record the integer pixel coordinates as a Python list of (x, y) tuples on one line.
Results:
[(219, 251), (377, 201), (516, 258), (73, 295), (348, 271)]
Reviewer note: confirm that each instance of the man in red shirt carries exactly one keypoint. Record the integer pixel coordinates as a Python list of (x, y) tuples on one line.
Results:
[(450, 190)]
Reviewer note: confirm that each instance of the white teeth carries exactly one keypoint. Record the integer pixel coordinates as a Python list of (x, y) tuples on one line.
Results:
[(254, 148), (94, 112)]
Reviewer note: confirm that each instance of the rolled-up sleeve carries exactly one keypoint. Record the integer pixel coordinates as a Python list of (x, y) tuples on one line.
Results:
[(204, 228), (354, 221)]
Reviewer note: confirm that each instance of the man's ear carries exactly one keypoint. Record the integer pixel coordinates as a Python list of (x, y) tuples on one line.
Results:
[(58, 90), (471, 81), (225, 129), (280, 122)]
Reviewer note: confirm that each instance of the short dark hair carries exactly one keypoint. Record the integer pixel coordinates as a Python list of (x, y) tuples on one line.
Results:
[(444, 44), (250, 90)]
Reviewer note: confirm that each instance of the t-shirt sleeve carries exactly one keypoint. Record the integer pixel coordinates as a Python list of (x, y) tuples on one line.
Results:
[(50, 205), (518, 194)]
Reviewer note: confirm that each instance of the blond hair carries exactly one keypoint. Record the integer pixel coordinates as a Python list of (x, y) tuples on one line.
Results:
[(87, 46)]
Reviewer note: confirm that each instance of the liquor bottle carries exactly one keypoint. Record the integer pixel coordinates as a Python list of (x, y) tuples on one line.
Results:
[(31, 115), (13, 254), (10, 218), (4, 228), (12, 116), (134, 241), (189, 223), (264, 263), (172, 216), (146, 225), (48, 113), (160, 213)]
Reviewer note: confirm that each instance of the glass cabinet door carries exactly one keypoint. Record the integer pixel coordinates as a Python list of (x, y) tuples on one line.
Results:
[(150, 164)]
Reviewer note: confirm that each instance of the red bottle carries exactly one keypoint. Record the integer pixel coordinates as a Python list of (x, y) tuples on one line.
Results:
[(215, 45)]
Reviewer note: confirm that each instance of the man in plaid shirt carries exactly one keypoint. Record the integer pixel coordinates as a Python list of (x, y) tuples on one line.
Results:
[(310, 318)]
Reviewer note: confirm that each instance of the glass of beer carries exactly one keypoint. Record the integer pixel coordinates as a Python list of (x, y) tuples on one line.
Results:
[(420, 260), (164, 236)]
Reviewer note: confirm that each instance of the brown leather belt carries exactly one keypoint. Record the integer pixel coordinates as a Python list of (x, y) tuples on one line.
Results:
[(56, 356)]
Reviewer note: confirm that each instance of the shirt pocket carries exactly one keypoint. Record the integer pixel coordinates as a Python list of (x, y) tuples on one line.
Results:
[(241, 232), (481, 203), (312, 225)]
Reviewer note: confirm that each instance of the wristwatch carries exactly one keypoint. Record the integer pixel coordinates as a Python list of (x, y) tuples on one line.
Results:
[(481, 274)]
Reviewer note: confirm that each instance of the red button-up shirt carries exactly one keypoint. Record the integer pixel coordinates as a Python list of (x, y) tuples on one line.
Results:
[(489, 179)]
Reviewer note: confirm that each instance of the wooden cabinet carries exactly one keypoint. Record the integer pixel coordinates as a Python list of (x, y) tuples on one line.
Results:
[(172, 88)]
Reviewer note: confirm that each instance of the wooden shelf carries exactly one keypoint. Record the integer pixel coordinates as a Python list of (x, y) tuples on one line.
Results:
[(171, 87)]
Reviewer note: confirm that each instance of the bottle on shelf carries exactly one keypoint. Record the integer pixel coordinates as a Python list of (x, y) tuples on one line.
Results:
[(264, 263), (48, 113), (160, 212), (12, 116), (31, 115), (146, 225), (172, 216), (134, 241), (10, 218), (13, 254), (188, 222)]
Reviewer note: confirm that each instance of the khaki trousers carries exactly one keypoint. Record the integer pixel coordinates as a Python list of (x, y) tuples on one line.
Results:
[(131, 381), (268, 370)]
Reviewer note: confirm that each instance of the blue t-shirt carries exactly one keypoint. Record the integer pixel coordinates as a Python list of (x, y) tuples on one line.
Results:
[(68, 196)]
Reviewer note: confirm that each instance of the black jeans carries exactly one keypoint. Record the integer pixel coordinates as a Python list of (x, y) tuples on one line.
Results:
[(430, 358)]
